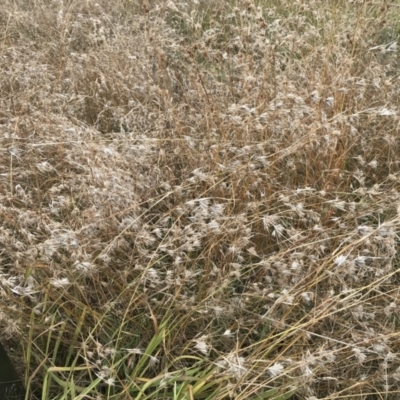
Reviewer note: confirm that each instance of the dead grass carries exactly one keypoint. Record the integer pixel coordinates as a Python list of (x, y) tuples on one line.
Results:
[(200, 200)]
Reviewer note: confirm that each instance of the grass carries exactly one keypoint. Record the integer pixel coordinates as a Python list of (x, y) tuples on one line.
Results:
[(199, 199)]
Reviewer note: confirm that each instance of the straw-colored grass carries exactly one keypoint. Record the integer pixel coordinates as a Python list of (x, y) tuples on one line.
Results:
[(200, 199)]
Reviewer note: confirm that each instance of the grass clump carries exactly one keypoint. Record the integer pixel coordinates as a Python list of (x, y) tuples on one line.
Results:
[(200, 200)]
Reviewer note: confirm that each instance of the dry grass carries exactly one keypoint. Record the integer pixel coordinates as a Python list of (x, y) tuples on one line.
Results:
[(200, 199)]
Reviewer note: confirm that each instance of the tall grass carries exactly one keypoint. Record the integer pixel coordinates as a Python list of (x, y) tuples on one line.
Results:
[(200, 199)]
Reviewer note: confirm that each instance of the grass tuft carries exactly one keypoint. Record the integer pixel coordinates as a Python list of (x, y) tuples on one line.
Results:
[(200, 199)]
